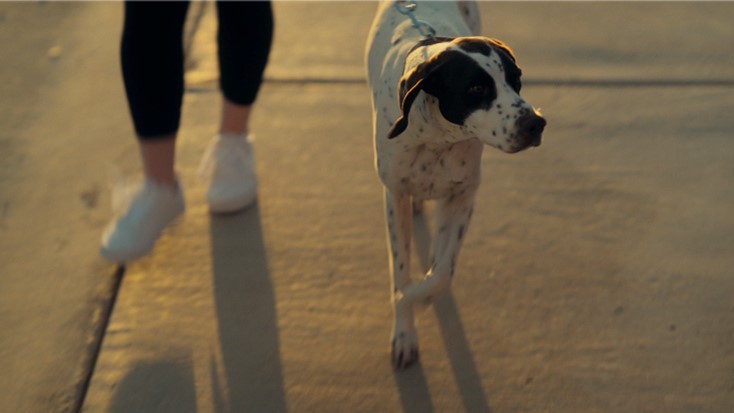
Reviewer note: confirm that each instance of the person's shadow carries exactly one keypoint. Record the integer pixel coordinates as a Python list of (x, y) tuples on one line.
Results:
[(165, 385), (248, 377), (412, 385), (246, 312)]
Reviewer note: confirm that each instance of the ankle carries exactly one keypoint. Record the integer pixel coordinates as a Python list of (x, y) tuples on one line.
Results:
[(235, 117), (233, 135), (166, 182)]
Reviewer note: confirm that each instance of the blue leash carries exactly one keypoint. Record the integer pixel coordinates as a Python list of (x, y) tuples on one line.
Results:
[(406, 7)]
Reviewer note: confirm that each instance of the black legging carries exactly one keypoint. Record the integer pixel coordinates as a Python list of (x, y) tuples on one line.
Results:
[(153, 61)]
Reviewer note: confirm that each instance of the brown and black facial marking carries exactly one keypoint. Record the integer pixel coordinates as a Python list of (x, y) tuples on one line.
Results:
[(455, 79), (462, 86), (411, 85), (485, 46), (513, 73), (474, 45), (459, 83)]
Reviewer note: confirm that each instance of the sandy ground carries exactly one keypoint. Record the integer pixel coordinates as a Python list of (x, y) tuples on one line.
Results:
[(596, 276)]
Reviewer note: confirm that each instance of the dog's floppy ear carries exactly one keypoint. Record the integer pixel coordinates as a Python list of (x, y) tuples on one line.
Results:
[(411, 84), (505, 48)]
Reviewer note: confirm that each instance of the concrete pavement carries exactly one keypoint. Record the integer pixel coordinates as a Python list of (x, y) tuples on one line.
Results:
[(62, 122), (596, 276)]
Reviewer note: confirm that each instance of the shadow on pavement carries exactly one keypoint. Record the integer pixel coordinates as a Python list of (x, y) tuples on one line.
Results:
[(413, 388), (248, 329), (162, 386), (463, 366), (414, 393)]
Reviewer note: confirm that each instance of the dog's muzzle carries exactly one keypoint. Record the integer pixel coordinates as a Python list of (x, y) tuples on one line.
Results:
[(530, 128)]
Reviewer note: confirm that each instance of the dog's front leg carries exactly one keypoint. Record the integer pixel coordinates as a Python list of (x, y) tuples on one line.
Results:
[(452, 221), (404, 340)]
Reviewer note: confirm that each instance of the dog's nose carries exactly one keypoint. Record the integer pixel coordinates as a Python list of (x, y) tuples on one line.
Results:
[(531, 126)]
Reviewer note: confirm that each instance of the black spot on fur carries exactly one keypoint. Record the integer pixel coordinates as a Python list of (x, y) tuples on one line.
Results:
[(475, 45)]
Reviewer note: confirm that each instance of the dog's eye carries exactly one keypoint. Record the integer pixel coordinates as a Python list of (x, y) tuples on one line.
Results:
[(478, 90)]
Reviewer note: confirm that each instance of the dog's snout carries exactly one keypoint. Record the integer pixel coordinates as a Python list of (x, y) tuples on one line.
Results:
[(531, 126)]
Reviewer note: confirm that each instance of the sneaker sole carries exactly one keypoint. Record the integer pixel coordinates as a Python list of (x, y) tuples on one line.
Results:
[(232, 206)]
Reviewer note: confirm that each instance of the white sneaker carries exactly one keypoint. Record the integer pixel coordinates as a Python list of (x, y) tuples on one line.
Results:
[(132, 235), (229, 166)]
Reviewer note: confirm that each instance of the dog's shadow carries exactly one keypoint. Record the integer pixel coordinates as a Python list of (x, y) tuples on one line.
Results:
[(414, 394)]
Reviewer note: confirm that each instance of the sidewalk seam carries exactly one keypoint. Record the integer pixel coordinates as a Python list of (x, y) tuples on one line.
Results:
[(95, 347), (212, 85)]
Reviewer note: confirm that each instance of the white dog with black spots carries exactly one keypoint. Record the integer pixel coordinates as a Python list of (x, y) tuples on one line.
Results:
[(436, 102)]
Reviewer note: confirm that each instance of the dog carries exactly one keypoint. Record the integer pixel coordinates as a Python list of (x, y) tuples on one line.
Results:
[(437, 99)]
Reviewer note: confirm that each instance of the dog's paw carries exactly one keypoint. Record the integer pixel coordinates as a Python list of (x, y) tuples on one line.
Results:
[(404, 347)]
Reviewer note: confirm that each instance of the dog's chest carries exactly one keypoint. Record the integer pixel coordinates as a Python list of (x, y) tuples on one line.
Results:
[(434, 172)]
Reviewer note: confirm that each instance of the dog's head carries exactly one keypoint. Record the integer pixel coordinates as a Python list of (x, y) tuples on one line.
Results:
[(475, 81)]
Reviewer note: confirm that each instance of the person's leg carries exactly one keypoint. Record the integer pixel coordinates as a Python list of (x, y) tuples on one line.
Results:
[(244, 38), (151, 53), (235, 118), (158, 157)]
